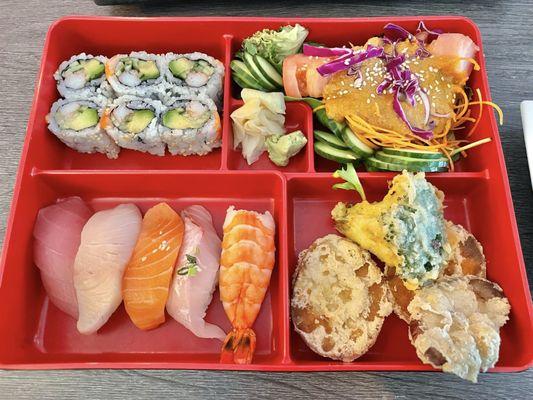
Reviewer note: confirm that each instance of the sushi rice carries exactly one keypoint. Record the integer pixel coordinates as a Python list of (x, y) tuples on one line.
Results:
[(81, 76), (191, 125), (133, 123), (76, 122), (195, 72), (137, 74)]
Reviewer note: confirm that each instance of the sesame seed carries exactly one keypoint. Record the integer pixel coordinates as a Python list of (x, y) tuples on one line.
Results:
[(368, 101), (143, 258)]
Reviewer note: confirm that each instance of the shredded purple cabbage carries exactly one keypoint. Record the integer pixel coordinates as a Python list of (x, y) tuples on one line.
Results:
[(316, 51), (349, 60), (395, 32), (431, 34)]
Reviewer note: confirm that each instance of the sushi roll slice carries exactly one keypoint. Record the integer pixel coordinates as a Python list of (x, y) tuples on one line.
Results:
[(77, 123), (81, 76), (133, 123), (136, 74), (196, 72), (191, 126)]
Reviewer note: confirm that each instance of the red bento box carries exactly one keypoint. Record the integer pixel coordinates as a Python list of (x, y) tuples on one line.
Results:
[(35, 335)]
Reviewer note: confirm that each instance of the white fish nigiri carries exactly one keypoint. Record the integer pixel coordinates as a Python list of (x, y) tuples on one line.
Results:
[(107, 242), (57, 234), (196, 274)]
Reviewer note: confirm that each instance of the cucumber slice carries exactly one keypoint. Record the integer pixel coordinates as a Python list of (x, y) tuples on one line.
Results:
[(373, 163), (246, 84), (243, 76), (332, 153), (412, 153), (355, 144), (410, 161), (256, 72), (330, 139), (268, 71), (331, 124), (321, 116)]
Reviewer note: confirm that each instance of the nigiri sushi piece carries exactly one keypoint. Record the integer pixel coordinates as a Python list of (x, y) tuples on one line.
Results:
[(107, 242), (246, 265), (196, 274), (149, 273), (57, 235)]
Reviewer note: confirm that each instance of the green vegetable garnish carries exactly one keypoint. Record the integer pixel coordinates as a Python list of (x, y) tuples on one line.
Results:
[(352, 180), (191, 269), (274, 46)]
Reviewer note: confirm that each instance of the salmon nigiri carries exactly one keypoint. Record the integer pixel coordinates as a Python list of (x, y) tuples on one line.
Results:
[(245, 268), (196, 274), (147, 278)]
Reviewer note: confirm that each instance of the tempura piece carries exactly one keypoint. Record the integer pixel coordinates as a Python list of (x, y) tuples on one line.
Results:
[(455, 324)]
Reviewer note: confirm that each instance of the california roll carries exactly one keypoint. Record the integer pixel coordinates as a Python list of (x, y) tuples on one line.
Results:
[(81, 76), (191, 126), (136, 74), (133, 123), (77, 124), (196, 73)]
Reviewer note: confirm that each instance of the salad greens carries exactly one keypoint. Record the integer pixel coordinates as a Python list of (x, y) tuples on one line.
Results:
[(275, 45)]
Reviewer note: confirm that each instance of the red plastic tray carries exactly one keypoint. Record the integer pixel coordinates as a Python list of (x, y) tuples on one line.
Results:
[(34, 334)]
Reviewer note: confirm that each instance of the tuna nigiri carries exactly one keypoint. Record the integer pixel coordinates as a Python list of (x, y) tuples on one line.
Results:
[(57, 234), (107, 242), (245, 268), (149, 272), (196, 274)]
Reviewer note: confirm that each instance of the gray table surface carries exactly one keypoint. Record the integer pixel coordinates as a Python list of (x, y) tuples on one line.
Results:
[(506, 30)]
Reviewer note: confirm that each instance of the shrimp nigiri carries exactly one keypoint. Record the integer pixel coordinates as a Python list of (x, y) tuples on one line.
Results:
[(148, 274), (245, 268)]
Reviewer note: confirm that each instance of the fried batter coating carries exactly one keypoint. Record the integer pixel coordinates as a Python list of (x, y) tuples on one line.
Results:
[(339, 300), (455, 324)]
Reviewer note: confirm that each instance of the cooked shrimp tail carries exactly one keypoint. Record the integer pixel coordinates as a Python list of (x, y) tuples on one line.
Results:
[(238, 347)]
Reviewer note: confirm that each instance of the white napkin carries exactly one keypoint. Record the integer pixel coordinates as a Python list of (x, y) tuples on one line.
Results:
[(527, 122)]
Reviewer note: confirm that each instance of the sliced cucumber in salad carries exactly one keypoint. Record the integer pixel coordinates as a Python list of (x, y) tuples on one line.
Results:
[(411, 161), (243, 77), (374, 163), (255, 72), (335, 154), (330, 139), (268, 71), (355, 144), (412, 153)]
